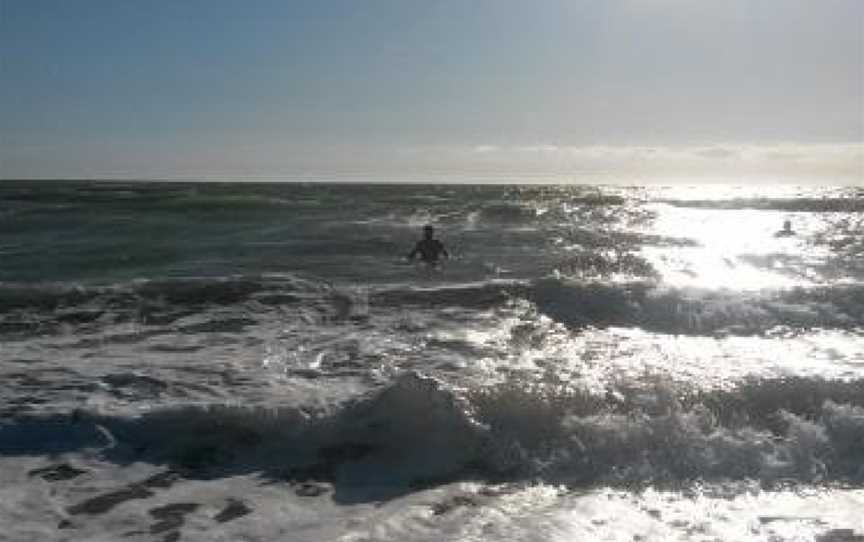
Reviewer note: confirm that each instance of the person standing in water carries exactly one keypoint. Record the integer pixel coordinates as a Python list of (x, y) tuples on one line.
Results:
[(429, 249), (786, 231)]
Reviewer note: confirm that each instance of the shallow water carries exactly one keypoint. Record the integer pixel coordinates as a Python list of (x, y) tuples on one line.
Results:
[(243, 361)]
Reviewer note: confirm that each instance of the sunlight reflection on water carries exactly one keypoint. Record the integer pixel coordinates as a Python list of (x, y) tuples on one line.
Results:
[(735, 249)]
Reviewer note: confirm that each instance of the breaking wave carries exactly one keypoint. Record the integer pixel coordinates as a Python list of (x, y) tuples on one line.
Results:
[(696, 311), (581, 303), (34, 309), (575, 303), (417, 431), (181, 291)]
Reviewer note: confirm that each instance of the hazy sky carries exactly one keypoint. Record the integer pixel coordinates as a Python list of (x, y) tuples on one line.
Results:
[(401, 88)]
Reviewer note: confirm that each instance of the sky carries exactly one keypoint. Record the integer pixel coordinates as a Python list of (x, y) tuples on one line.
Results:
[(402, 89)]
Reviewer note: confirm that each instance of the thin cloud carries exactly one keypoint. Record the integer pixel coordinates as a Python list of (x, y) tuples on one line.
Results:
[(717, 152)]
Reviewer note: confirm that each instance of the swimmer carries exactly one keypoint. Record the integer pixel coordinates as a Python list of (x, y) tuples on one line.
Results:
[(786, 231), (429, 249)]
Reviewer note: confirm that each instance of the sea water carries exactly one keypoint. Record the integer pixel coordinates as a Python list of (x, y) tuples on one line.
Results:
[(236, 361)]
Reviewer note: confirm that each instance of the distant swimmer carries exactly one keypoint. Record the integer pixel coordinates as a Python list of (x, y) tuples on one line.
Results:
[(786, 231), (429, 248)]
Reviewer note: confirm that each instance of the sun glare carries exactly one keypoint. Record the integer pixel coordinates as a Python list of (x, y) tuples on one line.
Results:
[(740, 249)]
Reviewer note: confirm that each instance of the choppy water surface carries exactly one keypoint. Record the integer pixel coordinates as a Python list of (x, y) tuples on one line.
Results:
[(258, 362)]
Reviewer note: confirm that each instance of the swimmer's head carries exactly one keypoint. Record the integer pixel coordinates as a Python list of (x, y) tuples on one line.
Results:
[(787, 225), (428, 231)]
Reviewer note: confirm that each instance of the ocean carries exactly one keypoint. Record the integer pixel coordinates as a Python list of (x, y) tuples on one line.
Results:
[(256, 362)]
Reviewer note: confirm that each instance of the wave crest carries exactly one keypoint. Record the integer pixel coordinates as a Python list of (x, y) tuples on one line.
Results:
[(419, 431), (849, 204), (694, 311)]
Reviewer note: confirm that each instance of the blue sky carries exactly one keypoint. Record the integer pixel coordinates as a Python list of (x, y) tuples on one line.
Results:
[(287, 89)]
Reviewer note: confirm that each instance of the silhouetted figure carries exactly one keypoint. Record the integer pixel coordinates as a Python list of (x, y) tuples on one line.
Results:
[(429, 248), (786, 231)]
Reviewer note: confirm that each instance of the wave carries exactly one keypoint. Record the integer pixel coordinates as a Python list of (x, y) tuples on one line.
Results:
[(32, 309), (53, 193), (476, 295), (651, 306), (803, 429), (693, 311), (850, 204), (507, 213), (574, 302), (73, 300), (233, 202), (419, 432), (504, 213), (597, 200), (178, 291), (154, 197)]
